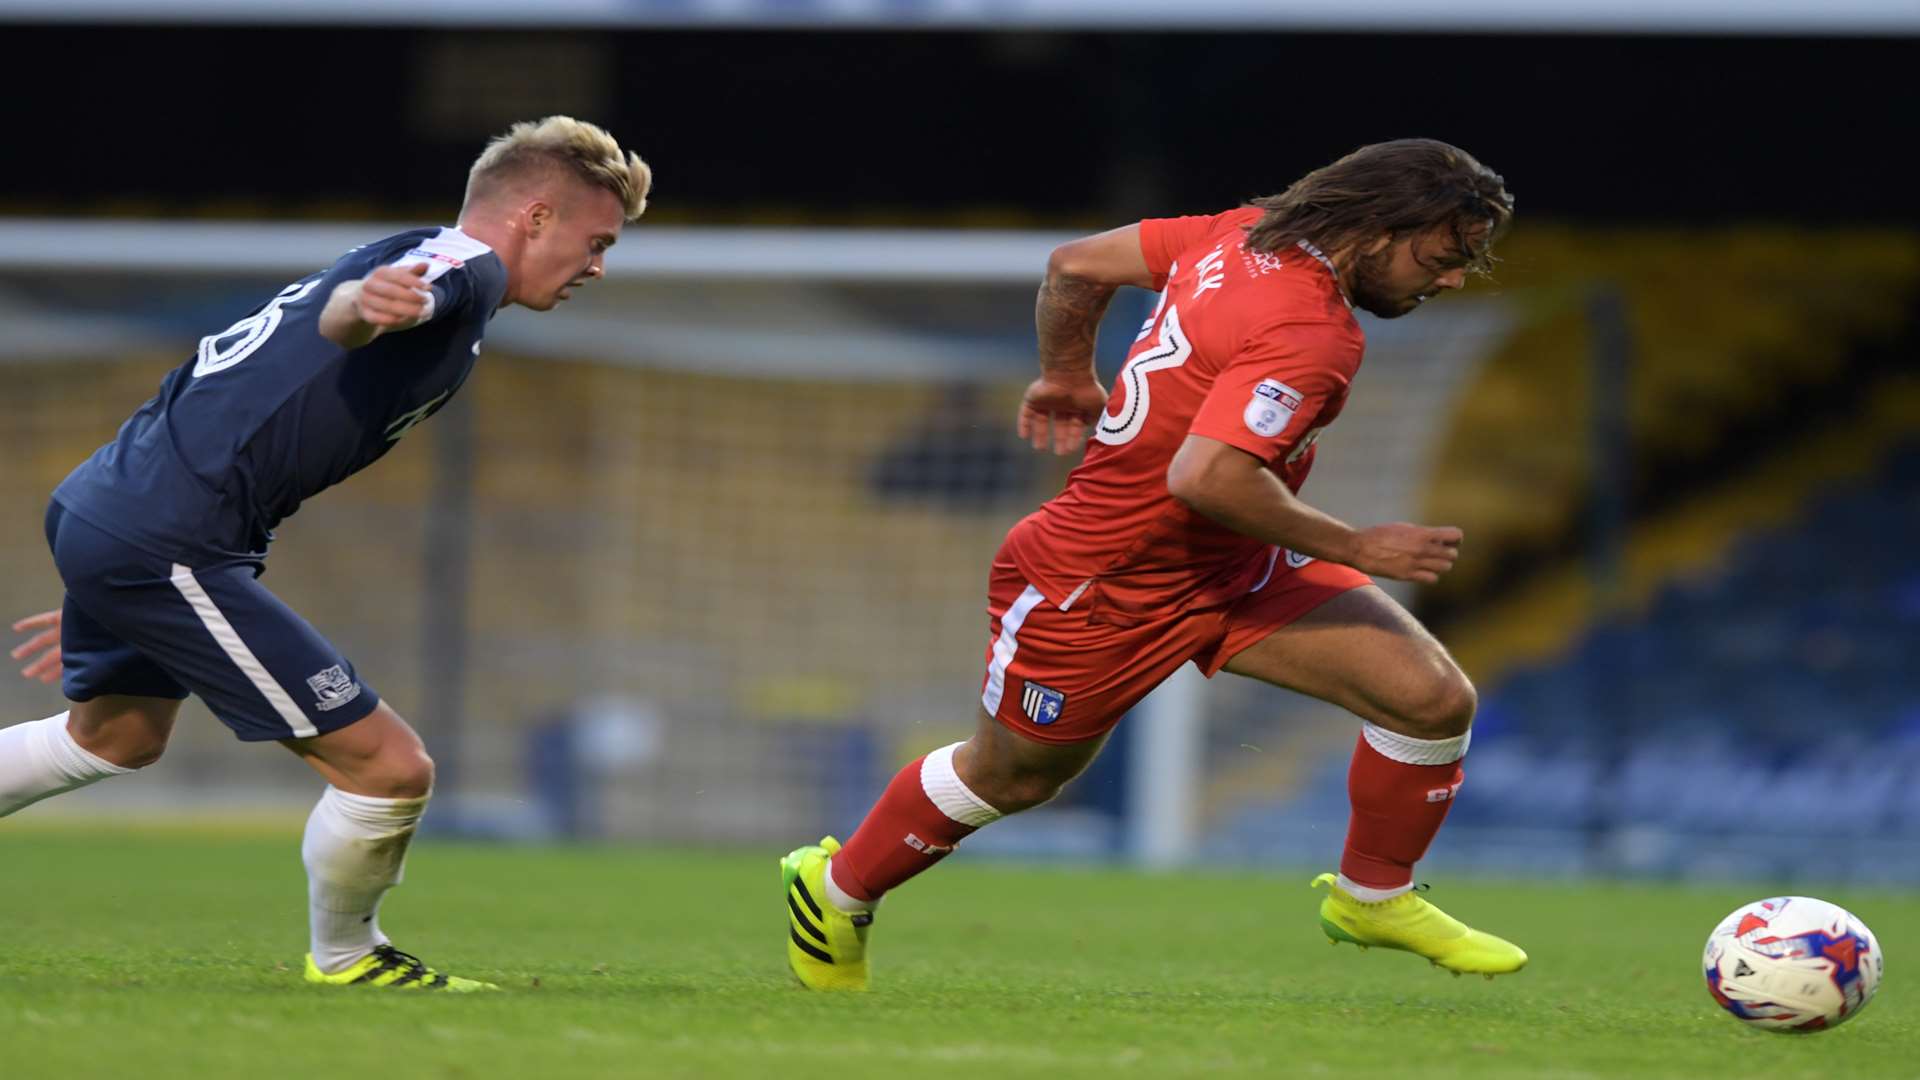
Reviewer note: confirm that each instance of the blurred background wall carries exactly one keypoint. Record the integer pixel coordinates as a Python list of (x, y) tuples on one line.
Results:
[(701, 559)]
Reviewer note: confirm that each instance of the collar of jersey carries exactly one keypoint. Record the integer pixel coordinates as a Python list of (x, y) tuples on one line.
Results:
[(1308, 247)]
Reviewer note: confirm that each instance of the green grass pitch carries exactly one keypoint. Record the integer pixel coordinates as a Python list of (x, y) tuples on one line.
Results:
[(174, 953)]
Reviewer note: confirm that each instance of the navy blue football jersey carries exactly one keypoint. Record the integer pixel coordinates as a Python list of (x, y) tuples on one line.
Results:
[(268, 412)]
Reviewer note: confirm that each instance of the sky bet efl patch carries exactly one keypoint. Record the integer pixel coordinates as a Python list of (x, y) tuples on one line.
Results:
[(1042, 705), (1272, 407)]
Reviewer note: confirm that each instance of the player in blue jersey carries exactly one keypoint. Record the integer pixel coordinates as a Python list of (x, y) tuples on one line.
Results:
[(161, 536)]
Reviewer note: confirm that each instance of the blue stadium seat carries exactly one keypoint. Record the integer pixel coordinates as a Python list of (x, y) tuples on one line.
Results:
[(1777, 691)]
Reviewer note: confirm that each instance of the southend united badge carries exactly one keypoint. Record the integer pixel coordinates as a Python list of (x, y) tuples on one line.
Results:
[(1042, 705)]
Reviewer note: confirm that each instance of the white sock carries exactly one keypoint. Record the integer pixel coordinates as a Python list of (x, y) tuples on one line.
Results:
[(40, 759), (355, 850), (1370, 894)]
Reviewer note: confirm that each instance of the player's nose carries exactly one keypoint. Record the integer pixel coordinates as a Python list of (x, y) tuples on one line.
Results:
[(1452, 279)]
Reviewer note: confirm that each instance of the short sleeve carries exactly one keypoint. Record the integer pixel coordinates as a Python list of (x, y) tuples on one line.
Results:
[(1163, 239), (453, 259), (1274, 390), (450, 285)]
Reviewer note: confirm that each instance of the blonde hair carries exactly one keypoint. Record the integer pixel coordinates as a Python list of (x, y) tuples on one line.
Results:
[(561, 144)]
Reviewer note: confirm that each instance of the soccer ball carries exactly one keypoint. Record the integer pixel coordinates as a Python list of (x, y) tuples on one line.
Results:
[(1793, 964)]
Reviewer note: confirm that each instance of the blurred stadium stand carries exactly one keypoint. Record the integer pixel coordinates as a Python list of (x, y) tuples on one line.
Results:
[(1760, 719), (714, 511), (714, 586), (702, 558)]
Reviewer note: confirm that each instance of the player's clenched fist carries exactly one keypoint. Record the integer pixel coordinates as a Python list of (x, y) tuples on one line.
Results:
[(393, 296), (1406, 552)]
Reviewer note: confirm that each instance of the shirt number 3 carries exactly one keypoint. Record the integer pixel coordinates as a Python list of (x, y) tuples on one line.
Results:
[(1170, 351)]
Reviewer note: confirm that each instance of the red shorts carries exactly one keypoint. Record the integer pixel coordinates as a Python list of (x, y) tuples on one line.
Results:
[(1058, 677)]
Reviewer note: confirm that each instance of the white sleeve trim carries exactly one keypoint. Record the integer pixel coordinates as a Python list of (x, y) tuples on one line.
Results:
[(450, 250)]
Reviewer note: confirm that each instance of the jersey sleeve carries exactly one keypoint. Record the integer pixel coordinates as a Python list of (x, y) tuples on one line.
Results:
[(1163, 239), (451, 287), (1275, 388)]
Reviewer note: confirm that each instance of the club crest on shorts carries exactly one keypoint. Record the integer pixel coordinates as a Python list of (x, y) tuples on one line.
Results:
[(333, 688), (1042, 706), (1272, 408)]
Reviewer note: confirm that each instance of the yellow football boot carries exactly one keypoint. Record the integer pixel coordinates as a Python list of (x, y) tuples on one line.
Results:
[(1411, 924), (388, 966), (826, 947)]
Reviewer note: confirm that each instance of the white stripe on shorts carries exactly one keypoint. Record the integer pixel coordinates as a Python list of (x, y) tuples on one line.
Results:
[(1273, 559), (237, 651), (1003, 649)]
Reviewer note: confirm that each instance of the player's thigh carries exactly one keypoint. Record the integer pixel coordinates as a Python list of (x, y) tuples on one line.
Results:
[(1061, 677), (123, 703), (1361, 650), (215, 631), (97, 664), (264, 671)]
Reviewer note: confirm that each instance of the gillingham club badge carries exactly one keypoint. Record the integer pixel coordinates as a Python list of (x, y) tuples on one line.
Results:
[(1042, 705)]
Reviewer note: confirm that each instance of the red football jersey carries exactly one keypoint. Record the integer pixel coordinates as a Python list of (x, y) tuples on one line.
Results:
[(1251, 348)]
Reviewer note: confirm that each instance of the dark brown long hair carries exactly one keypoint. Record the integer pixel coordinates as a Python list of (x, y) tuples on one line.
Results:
[(1399, 187)]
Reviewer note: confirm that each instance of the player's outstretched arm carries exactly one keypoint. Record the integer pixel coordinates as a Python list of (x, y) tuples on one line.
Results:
[(1082, 276), (390, 298), (1237, 490), (46, 643)]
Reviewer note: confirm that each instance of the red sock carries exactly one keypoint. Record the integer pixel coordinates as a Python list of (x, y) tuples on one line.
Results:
[(1397, 805), (924, 812)]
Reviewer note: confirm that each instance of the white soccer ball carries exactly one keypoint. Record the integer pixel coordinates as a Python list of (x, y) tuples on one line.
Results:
[(1793, 964)]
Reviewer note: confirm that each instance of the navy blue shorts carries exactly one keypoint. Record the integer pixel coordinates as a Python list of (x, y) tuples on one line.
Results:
[(138, 624)]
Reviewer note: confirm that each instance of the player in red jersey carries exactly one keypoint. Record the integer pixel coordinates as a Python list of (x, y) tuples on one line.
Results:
[(1181, 537)]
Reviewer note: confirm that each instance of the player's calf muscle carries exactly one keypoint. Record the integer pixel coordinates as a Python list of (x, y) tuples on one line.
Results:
[(1012, 793)]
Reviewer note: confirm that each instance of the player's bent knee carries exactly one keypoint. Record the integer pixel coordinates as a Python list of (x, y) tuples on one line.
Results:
[(1443, 710), (396, 774), (400, 765), (412, 775)]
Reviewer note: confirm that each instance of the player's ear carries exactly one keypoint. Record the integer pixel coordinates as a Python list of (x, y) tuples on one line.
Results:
[(540, 217)]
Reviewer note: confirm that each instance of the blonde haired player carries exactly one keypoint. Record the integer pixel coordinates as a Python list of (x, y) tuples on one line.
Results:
[(160, 536)]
